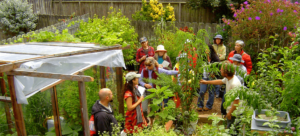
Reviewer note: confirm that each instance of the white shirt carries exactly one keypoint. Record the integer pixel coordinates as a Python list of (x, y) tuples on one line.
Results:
[(230, 84)]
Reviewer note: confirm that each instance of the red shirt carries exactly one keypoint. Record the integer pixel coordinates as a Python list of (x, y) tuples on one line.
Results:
[(245, 57), (140, 53)]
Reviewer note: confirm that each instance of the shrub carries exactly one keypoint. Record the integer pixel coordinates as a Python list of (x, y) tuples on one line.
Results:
[(16, 17), (257, 20), (155, 11)]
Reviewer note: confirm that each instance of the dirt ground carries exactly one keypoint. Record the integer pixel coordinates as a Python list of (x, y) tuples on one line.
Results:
[(216, 107)]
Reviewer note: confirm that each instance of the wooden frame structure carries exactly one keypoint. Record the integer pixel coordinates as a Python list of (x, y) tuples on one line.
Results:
[(11, 68)]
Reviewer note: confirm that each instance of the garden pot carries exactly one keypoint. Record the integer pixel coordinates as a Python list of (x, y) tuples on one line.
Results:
[(260, 122)]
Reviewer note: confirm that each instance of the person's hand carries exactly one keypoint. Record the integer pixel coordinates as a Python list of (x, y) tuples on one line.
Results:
[(160, 65), (141, 98), (148, 86), (228, 116), (203, 81), (143, 58)]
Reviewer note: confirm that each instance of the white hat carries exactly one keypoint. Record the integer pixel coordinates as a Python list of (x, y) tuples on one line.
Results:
[(131, 75), (160, 48)]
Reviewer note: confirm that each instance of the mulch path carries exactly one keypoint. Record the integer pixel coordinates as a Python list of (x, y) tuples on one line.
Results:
[(215, 109)]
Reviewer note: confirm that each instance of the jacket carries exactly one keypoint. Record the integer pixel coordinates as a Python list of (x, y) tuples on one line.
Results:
[(245, 57), (103, 119), (140, 53), (221, 51)]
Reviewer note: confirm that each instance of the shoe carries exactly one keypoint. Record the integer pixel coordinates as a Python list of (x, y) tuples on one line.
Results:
[(206, 109), (199, 109)]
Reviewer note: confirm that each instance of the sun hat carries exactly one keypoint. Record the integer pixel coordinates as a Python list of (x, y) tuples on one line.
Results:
[(143, 39), (218, 37), (131, 75), (160, 48), (237, 57)]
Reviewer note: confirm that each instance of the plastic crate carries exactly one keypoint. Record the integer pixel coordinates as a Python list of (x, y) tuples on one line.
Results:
[(260, 122)]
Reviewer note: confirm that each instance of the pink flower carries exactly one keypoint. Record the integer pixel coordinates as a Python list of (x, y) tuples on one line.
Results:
[(271, 14), (231, 5), (296, 2), (249, 18), (246, 2), (234, 15), (257, 18), (284, 28), (295, 11), (269, 1), (260, 12)]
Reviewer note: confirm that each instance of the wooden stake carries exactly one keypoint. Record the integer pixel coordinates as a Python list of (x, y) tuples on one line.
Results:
[(18, 113), (119, 78), (55, 110), (83, 107), (6, 106), (102, 76)]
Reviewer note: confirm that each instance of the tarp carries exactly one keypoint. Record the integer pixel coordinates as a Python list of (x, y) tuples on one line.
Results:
[(27, 86)]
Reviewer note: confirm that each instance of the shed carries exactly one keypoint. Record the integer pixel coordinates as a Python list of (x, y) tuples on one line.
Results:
[(35, 67)]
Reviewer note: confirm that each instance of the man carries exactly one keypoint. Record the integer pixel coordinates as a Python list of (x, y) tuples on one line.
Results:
[(104, 119), (241, 71), (239, 45), (231, 82), (144, 52)]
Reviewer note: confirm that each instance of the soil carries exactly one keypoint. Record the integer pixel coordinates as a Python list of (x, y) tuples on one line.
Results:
[(215, 109), (263, 116)]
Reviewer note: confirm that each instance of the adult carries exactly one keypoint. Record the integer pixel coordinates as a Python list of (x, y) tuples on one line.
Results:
[(150, 72), (231, 82), (212, 57), (161, 56), (104, 119), (144, 52), (241, 70), (239, 45), (134, 119), (219, 47)]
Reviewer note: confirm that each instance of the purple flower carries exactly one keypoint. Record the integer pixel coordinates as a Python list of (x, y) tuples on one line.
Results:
[(296, 2), (281, 10), (269, 1), (271, 14), (260, 12), (278, 10), (284, 28), (249, 18), (295, 11), (223, 29), (234, 15), (242, 9), (246, 2), (228, 23), (257, 18)]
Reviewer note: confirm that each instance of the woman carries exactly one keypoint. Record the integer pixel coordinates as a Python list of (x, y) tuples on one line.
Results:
[(219, 47), (238, 49), (211, 57), (134, 115), (161, 56)]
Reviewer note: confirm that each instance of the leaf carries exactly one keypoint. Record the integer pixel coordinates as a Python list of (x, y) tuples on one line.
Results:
[(150, 96), (66, 130), (170, 117), (50, 133), (157, 101)]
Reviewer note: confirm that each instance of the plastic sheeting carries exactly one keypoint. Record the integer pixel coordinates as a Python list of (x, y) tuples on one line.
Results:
[(15, 57), (28, 86), (40, 49), (64, 44)]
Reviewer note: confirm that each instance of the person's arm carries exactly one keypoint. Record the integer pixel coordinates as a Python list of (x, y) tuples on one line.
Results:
[(248, 63), (102, 123), (213, 82), (141, 82), (223, 54), (168, 72), (131, 106), (233, 107), (137, 57)]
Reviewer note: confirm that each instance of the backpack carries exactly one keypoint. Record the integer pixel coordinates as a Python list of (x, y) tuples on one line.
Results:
[(92, 126)]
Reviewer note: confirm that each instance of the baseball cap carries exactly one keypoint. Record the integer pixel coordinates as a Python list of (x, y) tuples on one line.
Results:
[(131, 75)]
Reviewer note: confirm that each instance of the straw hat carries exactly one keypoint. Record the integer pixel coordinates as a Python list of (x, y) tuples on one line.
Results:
[(160, 48)]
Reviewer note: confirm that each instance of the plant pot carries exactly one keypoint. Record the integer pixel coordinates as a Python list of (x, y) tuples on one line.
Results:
[(260, 122)]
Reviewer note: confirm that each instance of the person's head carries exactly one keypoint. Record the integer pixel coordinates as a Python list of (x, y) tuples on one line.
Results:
[(105, 95), (212, 54), (151, 63), (237, 59), (227, 69), (144, 41), (160, 52), (132, 79), (239, 45), (218, 39)]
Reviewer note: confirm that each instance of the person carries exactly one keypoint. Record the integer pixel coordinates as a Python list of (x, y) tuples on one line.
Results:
[(134, 119), (144, 52), (241, 70), (231, 82), (219, 47), (104, 119), (212, 57), (161, 56), (239, 45), (150, 72)]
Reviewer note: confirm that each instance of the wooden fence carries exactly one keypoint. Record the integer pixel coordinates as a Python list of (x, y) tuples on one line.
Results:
[(128, 7)]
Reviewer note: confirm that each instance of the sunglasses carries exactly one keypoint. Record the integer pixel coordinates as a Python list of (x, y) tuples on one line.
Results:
[(149, 65)]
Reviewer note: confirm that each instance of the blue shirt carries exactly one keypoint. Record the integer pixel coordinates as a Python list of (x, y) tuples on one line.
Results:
[(160, 60)]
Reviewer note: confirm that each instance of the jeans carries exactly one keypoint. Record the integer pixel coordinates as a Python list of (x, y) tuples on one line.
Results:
[(165, 102), (210, 101)]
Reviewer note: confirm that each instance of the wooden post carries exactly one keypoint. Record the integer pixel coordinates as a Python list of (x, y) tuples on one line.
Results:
[(55, 110), (119, 78), (18, 113), (83, 107), (60, 8), (95, 72), (102, 77), (79, 8), (179, 13), (6, 106)]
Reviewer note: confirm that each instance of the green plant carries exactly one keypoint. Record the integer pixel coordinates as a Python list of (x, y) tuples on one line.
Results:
[(157, 130), (67, 130), (108, 31), (214, 129), (16, 17), (154, 11)]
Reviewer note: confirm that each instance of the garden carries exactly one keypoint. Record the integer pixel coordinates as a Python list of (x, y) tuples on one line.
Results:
[(269, 28)]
